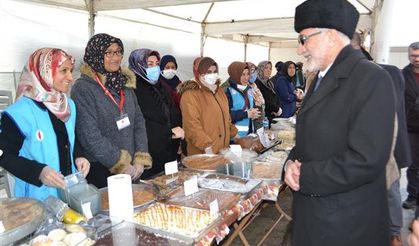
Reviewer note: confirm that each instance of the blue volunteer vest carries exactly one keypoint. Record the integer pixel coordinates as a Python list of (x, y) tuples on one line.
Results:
[(40, 142), (238, 104)]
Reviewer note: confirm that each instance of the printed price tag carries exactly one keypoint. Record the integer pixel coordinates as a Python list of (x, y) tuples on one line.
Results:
[(87, 212), (190, 186), (214, 208), (170, 167), (2, 229), (236, 149), (262, 137)]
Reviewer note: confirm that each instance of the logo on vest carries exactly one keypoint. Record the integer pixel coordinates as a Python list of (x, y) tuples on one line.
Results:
[(39, 135)]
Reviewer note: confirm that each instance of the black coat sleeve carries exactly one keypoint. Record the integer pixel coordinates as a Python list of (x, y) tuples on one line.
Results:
[(11, 141)]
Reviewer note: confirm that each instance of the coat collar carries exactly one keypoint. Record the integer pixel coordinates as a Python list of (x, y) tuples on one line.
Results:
[(89, 72), (341, 69)]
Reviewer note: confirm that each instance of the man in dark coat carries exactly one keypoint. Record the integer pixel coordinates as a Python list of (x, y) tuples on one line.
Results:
[(411, 75), (402, 154), (344, 134)]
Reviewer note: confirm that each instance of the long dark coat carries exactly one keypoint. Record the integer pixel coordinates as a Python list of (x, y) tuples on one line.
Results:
[(161, 115), (344, 134)]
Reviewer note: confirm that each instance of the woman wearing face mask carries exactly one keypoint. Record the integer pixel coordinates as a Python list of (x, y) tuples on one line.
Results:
[(37, 132), (240, 98), (205, 112), (163, 119), (169, 78), (257, 96), (265, 85), (110, 125), (286, 90)]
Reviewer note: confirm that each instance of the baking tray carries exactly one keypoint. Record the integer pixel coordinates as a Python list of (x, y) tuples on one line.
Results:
[(176, 232), (135, 188), (187, 160), (18, 208)]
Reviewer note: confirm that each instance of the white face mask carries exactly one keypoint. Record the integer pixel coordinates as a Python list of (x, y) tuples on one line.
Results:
[(211, 78), (168, 73), (241, 87)]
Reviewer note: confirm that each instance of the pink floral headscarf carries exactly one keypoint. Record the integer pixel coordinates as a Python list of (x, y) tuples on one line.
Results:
[(36, 81)]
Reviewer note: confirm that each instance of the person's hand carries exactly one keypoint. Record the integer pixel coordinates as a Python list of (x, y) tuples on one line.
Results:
[(83, 165), (413, 237), (292, 174), (178, 132), (130, 170), (253, 113), (139, 169), (208, 150), (279, 112), (52, 178)]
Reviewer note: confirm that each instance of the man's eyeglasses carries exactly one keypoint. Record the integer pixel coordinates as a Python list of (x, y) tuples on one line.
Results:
[(117, 53), (303, 38)]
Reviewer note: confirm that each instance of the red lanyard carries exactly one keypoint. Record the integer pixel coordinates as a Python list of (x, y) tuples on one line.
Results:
[(121, 103)]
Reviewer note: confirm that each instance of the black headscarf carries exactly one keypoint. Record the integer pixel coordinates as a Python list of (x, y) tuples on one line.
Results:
[(175, 81), (94, 56), (285, 70)]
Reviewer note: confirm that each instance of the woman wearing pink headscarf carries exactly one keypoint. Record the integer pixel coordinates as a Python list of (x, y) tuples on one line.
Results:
[(37, 132)]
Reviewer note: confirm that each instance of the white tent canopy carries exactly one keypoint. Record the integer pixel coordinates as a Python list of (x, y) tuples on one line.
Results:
[(264, 22)]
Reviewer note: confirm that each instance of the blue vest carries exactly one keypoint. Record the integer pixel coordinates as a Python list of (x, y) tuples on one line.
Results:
[(40, 143), (238, 104)]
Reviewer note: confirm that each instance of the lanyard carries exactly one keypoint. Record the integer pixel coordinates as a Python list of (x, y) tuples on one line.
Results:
[(121, 103)]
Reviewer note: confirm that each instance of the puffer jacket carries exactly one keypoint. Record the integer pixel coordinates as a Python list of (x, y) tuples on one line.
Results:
[(206, 118)]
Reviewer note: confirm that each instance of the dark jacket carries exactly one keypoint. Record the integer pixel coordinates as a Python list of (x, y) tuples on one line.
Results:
[(412, 100), (284, 88), (271, 99), (402, 151), (161, 115), (344, 133)]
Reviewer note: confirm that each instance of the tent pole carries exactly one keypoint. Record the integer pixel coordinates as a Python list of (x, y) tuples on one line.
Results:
[(92, 15), (201, 53), (246, 40), (269, 50)]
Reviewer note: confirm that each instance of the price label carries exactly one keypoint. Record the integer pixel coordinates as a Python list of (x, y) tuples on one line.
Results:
[(170, 167), (87, 212), (190, 186), (214, 208), (236, 149), (2, 229), (262, 137)]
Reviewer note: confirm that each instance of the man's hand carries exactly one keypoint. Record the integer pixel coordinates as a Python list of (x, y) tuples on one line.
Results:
[(83, 165), (413, 238), (52, 178), (292, 174)]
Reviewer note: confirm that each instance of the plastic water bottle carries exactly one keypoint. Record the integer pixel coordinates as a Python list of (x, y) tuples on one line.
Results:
[(265, 123)]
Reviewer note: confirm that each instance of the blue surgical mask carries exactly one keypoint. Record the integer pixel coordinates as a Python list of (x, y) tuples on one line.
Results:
[(253, 77), (153, 74)]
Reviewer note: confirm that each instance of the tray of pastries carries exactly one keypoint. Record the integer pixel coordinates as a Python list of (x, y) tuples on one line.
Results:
[(203, 198), (173, 220), (142, 194), (19, 218), (204, 162)]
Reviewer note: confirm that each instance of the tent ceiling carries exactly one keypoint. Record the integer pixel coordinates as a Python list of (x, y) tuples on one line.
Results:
[(260, 21)]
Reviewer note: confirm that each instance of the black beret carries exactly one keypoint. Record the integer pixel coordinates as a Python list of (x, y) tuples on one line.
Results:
[(334, 14)]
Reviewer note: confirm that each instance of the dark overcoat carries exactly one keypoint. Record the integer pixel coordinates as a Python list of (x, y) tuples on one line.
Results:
[(344, 133)]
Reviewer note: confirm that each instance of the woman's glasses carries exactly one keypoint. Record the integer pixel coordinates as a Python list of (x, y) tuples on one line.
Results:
[(117, 53)]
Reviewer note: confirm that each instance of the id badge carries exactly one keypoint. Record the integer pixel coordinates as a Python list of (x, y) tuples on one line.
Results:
[(122, 121)]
